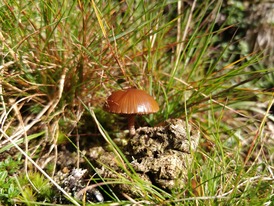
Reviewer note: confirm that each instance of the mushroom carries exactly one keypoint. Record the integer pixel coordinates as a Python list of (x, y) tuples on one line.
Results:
[(131, 102)]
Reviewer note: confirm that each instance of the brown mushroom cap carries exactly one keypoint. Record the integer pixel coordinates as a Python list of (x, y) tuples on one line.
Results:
[(131, 101)]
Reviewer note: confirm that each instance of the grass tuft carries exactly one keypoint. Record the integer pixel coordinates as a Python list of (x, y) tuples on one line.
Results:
[(59, 59)]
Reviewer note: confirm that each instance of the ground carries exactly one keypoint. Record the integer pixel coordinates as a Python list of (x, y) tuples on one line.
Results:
[(160, 156)]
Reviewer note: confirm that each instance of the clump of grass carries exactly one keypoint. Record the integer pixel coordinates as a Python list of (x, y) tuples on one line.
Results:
[(58, 56), (8, 183)]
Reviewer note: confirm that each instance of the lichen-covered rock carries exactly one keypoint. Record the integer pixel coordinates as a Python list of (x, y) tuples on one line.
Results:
[(73, 181)]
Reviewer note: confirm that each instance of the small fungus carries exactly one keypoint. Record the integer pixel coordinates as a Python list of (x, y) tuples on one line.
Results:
[(131, 102)]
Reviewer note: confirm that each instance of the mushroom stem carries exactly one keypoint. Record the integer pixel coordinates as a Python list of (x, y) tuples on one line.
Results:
[(131, 124)]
